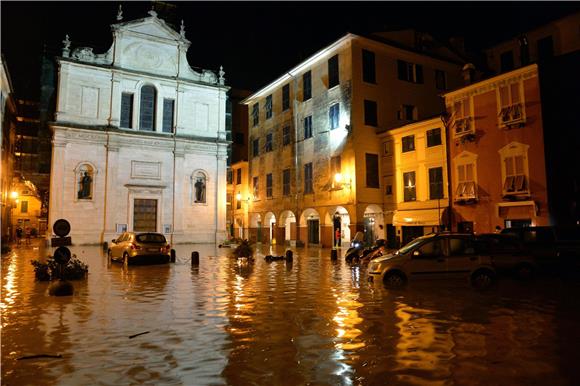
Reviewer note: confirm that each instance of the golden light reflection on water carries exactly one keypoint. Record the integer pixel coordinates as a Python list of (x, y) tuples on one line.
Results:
[(9, 290)]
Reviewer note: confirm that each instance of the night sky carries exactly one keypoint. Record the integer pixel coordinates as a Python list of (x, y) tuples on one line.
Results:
[(255, 42)]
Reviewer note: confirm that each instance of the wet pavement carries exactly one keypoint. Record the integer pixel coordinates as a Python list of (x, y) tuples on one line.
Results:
[(312, 322)]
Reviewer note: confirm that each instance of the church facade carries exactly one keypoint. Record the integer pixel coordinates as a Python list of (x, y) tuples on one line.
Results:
[(139, 141)]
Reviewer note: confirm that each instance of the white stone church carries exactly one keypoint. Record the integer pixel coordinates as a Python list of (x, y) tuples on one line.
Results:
[(139, 140)]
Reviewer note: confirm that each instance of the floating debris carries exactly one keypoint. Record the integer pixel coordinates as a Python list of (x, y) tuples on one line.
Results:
[(136, 335)]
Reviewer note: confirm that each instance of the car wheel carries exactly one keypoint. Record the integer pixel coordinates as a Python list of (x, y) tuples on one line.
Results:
[(525, 271), (394, 280), (482, 279)]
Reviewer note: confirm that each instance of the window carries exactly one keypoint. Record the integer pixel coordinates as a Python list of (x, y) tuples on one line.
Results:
[(127, 110), (238, 176), (460, 246), (168, 105), (286, 182), (238, 204), (230, 177), (255, 114), (269, 185), (465, 181), (462, 112), (147, 111), (433, 137), (435, 183), (511, 108), (306, 86), (389, 190), (407, 113), (371, 113), (268, 147), (545, 48), (410, 193), (333, 79), (408, 143), (440, 80), (285, 97), (24, 207), (308, 127), (268, 107), (515, 176), (372, 170), (255, 188), (308, 178), (506, 60), (333, 114), (286, 136), (368, 63), (256, 147), (410, 72)]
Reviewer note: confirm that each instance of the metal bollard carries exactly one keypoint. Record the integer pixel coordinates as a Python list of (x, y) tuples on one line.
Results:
[(333, 254), (195, 258), (289, 255), (172, 259), (105, 246)]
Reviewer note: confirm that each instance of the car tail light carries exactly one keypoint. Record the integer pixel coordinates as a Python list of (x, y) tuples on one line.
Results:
[(135, 246)]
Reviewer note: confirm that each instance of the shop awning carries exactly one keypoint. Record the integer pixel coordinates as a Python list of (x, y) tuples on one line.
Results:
[(418, 217)]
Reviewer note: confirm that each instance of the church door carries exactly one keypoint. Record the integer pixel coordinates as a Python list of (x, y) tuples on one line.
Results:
[(145, 215)]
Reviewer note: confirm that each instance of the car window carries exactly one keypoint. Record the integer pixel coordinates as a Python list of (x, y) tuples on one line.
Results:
[(150, 238), (430, 250), (122, 238), (461, 246), (413, 244)]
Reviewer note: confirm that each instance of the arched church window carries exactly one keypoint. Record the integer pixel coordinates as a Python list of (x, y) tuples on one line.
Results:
[(85, 182), (147, 108), (199, 187)]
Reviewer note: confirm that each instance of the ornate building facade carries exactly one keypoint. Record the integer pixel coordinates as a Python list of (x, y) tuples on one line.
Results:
[(139, 140)]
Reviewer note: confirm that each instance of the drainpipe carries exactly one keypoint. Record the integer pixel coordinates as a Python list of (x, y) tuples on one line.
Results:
[(446, 120)]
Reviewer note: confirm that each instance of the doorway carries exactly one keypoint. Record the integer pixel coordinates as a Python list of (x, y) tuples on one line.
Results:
[(144, 215), (313, 231)]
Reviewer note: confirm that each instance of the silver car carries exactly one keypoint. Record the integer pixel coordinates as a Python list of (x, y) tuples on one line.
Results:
[(437, 256), (135, 247)]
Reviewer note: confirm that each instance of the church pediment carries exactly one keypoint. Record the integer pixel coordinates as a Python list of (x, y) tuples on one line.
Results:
[(150, 27)]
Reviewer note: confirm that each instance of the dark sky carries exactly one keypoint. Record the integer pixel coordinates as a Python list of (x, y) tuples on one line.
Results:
[(255, 42)]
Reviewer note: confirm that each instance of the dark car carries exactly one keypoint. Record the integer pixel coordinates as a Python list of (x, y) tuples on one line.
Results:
[(553, 247), (144, 248), (508, 254)]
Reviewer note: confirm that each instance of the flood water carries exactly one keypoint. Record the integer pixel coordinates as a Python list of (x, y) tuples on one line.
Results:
[(314, 322)]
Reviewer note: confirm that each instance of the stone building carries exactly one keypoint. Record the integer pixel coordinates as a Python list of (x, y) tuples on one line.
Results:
[(314, 162), (139, 139), (497, 153), (414, 163), (8, 113)]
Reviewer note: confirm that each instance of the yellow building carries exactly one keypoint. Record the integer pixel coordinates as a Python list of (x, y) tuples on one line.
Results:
[(238, 200), (26, 211), (414, 165), (314, 155)]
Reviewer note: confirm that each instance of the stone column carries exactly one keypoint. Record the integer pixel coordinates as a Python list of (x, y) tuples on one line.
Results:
[(181, 185), (115, 107), (220, 194)]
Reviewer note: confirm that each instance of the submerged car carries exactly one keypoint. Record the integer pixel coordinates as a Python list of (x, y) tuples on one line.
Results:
[(140, 248), (508, 254), (437, 256)]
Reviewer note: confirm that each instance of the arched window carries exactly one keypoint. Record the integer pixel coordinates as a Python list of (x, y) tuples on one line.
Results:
[(147, 110), (85, 181), (199, 181)]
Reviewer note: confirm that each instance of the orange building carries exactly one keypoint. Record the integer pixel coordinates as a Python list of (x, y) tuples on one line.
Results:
[(496, 149)]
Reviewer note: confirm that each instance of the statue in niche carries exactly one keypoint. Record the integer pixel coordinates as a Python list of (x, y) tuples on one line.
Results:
[(85, 186), (200, 189)]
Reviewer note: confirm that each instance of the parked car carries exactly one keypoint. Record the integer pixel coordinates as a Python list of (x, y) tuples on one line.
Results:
[(135, 247), (552, 247), (508, 254), (437, 255)]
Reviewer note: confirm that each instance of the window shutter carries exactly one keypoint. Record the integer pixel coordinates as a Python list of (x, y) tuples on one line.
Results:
[(419, 73), (147, 113), (402, 69), (126, 110), (168, 115)]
